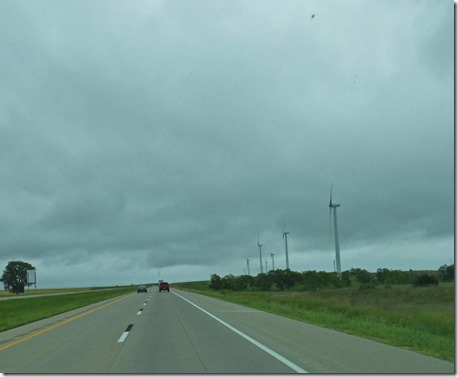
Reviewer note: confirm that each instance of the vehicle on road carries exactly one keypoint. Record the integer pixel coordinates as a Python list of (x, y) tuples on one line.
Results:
[(142, 288), (164, 286)]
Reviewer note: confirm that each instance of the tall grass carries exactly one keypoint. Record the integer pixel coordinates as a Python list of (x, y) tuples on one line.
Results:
[(14, 313), (420, 319)]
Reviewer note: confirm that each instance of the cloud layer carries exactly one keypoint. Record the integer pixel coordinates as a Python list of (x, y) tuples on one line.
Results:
[(157, 138)]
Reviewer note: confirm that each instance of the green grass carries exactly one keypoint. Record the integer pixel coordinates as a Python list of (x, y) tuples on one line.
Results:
[(419, 319), (18, 312), (33, 291)]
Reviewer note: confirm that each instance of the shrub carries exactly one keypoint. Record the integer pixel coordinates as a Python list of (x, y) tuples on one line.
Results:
[(425, 280), (366, 286)]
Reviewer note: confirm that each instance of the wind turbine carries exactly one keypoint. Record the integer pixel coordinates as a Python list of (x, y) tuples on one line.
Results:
[(248, 266), (332, 207), (285, 236), (260, 254)]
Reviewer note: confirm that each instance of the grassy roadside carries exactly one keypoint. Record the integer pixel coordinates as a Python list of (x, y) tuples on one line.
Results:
[(418, 319), (34, 292), (14, 313)]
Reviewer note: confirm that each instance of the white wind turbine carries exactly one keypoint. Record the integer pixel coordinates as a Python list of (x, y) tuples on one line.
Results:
[(332, 207), (260, 254), (285, 236)]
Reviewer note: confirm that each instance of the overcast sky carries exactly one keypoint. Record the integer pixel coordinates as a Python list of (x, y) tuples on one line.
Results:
[(146, 140)]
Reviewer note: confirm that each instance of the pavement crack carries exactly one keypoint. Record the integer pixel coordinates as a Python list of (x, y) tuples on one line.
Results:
[(190, 340)]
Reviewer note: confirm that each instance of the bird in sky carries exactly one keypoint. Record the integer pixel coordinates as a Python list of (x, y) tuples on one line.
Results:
[(313, 16)]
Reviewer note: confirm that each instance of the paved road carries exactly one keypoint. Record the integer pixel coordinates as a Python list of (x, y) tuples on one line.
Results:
[(182, 332)]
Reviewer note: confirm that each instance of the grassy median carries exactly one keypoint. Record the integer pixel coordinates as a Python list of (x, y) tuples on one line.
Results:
[(18, 312), (418, 319)]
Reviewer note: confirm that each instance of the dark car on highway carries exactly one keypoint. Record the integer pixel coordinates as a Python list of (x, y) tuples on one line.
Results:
[(142, 288)]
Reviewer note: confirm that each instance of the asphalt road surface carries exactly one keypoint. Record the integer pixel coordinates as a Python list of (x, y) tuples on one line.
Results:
[(181, 332)]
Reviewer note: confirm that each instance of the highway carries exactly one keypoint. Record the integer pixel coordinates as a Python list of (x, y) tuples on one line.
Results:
[(182, 332)]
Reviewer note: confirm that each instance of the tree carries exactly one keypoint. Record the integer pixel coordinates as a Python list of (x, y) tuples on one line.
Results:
[(215, 282), (425, 280), (344, 280), (383, 276), (278, 277), (311, 280), (263, 281), (243, 282), (14, 276), (447, 273), (362, 276), (228, 282)]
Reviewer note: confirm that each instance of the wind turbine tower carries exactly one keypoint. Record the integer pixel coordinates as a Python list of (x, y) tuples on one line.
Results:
[(260, 254), (285, 236), (248, 266), (332, 207)]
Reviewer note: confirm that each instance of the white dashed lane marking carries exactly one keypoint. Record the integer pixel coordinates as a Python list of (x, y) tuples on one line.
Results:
[(125, 333)]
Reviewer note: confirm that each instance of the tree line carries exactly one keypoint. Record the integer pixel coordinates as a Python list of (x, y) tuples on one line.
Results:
[(14, 279), (280, 280)]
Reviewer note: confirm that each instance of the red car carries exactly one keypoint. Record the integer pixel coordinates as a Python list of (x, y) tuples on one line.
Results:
[(164, 286)]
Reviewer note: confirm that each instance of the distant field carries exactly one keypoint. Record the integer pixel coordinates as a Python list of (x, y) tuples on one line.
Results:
[(33, 291), (14, 313), (419, 319)]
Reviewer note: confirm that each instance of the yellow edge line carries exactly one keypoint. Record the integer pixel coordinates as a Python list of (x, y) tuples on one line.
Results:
[(60, 324)]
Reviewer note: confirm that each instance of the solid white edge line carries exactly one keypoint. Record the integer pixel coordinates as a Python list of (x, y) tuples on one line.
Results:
[(274, 354)]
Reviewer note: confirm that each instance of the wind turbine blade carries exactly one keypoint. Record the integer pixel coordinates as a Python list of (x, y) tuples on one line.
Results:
[(330, 197)]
